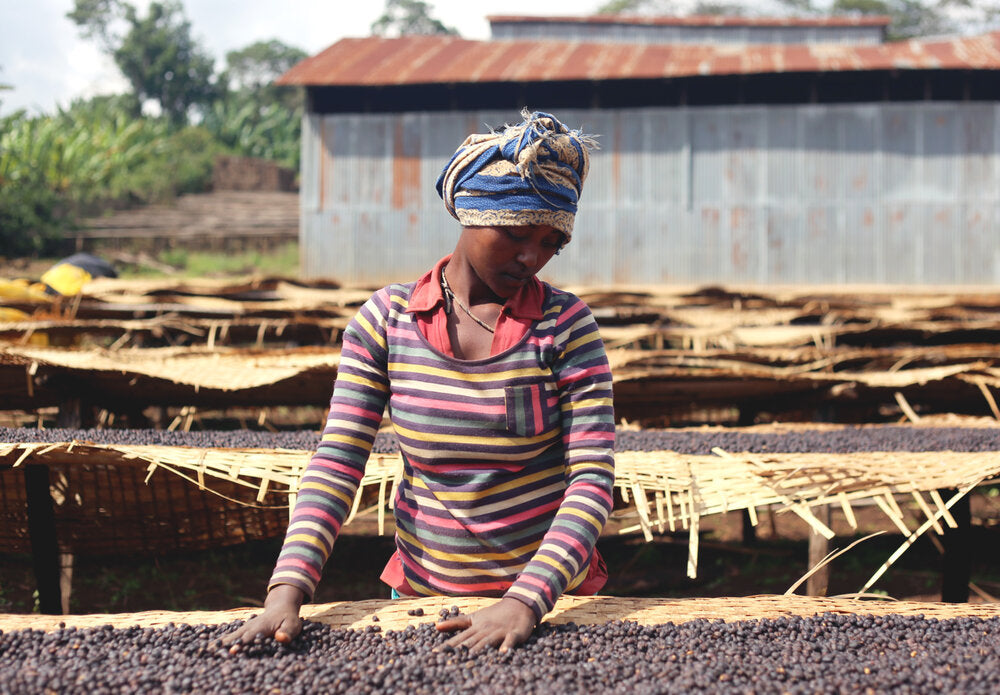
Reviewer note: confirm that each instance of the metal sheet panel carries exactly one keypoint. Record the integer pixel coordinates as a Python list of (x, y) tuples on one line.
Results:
[(938, 257), (860, 153), (980, 242), (309, 164), (861, 254), (902, 243), (938, 154), (783, 153), (845, 193), (899, 135), (977, 147), (821, 149), (818, 241)]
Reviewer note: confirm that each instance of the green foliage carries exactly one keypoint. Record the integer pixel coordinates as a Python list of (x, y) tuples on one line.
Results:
[(94, 17), (718, 7), (156, 53), (258, 65), (665, 7), (101, 153), (245, 126), (910, 18), (800, 6), (30, 220), (161, 61), (190, 157), (94, 154), (283, 260), (406, 17)]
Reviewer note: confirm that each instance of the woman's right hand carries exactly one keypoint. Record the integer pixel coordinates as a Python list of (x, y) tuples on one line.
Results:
[(279, 620)]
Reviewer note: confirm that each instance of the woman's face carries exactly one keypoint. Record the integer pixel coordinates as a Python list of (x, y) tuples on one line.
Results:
[(506, 258)]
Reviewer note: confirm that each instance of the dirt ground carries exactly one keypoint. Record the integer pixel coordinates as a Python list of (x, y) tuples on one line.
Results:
[(235, 577), (31, 268)]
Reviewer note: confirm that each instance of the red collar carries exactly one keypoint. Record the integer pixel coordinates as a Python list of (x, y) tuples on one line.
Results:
[(427, 295)]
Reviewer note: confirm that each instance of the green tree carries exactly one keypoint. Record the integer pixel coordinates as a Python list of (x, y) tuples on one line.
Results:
[(95, 19), (261, 63), (255, 117), (719, 7), (246, 126), (156, 53), (664, 7), (405, 17), (252, 71), (3, 87), (910, 18)]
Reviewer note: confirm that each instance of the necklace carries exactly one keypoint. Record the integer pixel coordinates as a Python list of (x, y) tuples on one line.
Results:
[(449, 297)]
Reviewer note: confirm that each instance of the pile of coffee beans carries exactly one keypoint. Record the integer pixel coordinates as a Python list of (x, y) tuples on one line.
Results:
[(833, 441), (830, 653), (847, 439)]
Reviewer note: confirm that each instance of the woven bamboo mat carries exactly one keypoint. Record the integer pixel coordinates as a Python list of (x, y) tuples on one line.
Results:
[(665, 490), (591, 610), (233, 368), (104, 505), (213, 331), (222, 368)]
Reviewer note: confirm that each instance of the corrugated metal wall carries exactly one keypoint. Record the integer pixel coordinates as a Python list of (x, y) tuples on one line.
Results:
[(666, 33), (887, 193)]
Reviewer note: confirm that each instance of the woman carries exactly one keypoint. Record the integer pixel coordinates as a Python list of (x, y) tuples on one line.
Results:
[(499, 392)]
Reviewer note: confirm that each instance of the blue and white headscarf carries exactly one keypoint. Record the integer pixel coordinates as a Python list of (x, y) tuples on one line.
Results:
[(525, 174)]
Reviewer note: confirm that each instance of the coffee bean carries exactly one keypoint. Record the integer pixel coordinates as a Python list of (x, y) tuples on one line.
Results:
[(686, 441), (829, 653)]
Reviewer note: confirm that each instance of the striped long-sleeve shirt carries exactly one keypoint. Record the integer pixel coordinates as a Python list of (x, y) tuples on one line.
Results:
[(508, 461)]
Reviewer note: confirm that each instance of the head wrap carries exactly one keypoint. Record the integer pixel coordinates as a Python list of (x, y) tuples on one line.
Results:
[(525, 174)]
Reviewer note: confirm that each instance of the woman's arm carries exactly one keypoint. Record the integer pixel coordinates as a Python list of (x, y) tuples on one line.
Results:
[(330, 481), (585, 400)]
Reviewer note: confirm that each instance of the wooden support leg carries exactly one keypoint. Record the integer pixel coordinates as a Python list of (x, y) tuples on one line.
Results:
[(75, 413), (819, 547), (65, 580), (749, 530), (957, 569), (44, 542)]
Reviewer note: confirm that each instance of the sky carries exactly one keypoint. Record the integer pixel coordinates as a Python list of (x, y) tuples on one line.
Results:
[(48, 65)]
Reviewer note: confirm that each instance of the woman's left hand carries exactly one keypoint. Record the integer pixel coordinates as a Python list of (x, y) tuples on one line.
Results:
[(505, 624)]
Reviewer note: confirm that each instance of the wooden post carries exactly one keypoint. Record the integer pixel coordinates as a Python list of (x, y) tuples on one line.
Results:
[(819, 547), (65, 580), (749, 530), (74, 413), (44, 541), (746, 418), (957, 568)]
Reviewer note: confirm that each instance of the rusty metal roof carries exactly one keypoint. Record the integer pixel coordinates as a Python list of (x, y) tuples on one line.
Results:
[(413, 60), (700, 20)]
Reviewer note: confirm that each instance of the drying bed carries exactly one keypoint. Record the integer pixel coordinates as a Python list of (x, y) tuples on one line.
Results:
[(844, 649), (666, 489), (688, 441)]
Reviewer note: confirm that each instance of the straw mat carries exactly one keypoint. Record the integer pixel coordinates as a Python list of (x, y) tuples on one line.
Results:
[(584, 610), (170, 328), (224, 368), (644, 380), (664, 490), (222, 377), (115, 504)]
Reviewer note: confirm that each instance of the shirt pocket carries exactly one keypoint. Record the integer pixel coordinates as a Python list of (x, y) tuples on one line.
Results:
[(532, 409)]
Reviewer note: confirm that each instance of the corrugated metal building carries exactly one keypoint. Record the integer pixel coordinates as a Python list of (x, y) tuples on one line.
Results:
[(704, 29), (784, 163)]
